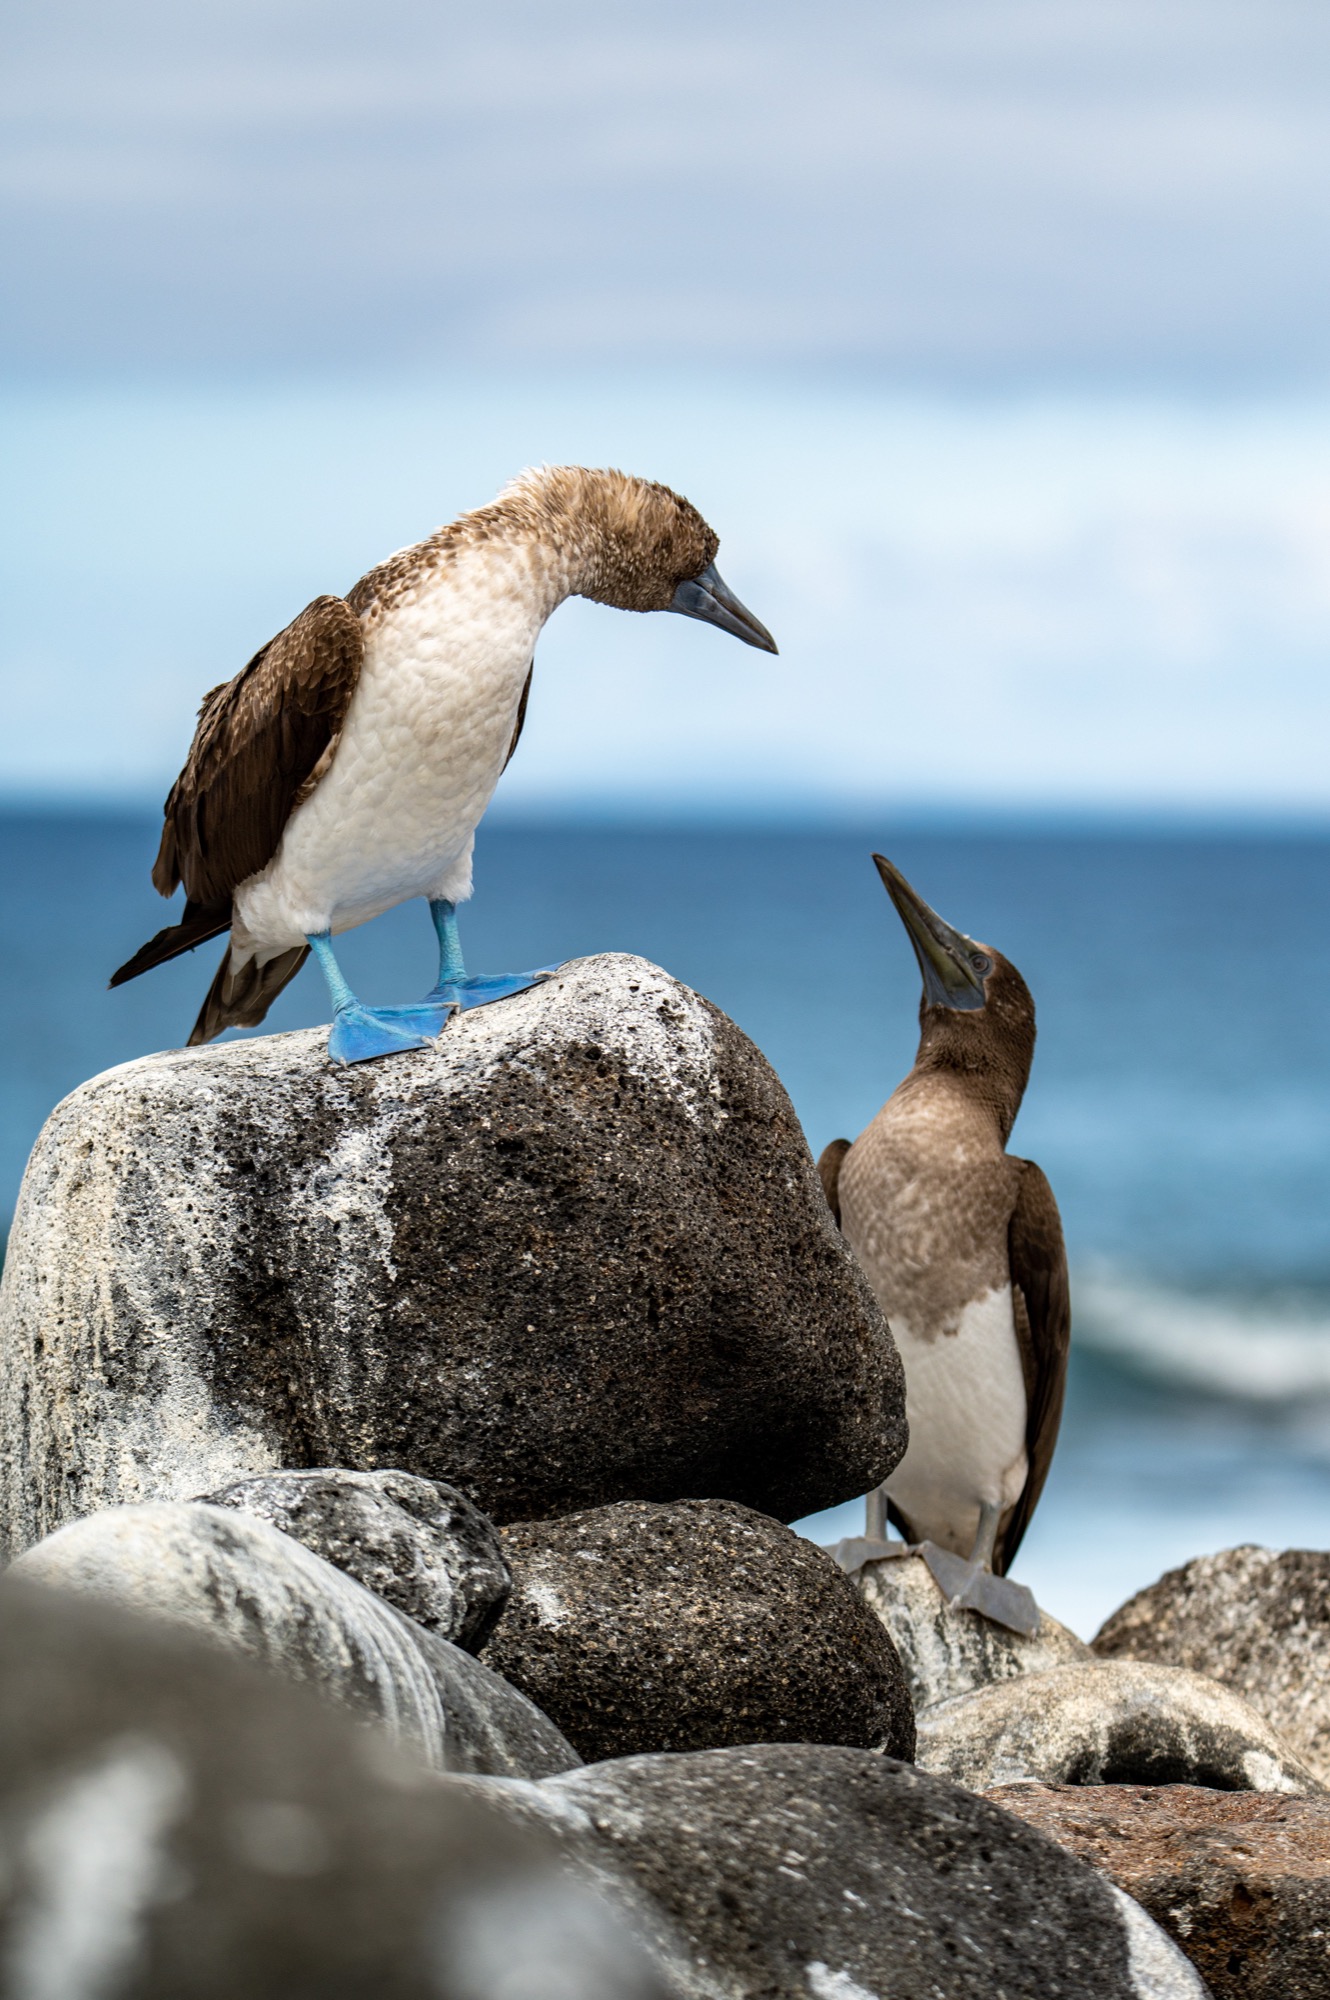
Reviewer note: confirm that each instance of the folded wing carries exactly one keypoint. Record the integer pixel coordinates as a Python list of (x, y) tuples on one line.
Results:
[(262, 743), (1041, 1295)]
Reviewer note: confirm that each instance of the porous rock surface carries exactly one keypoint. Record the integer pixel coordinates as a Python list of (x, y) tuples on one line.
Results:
[(572, 1252), (809, 1872), (1256, 1619), (1241, 1883), (693, 1625), (177, 1825), (244, 1584), (1108, 1722), (417, 1543), (946, 1652)]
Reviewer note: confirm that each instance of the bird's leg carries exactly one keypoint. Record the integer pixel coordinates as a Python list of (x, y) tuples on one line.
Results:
[(971, 1585), (985, 1537), (872, 1545), (359, 1032), (454, 987)]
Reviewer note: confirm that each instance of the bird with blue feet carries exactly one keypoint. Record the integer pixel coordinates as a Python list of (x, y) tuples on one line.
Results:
[(344, 769), (962, 1243)]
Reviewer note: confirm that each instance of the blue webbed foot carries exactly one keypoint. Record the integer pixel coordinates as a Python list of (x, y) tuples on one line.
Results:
[(359, 1034), (487, 986)]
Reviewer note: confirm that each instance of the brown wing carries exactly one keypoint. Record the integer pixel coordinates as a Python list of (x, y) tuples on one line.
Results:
[(828, 1167), (260, 740), (521, 714), (1041, 1294)]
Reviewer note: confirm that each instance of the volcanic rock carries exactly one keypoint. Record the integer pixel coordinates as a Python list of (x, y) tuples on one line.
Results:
[(176, 1825), (417, 1543), (573, 1252), (690, 1626), (946, 1652), (807, 1872), (1255, 1619), (242, 1583), (1241, 1883), (1110, 1722)]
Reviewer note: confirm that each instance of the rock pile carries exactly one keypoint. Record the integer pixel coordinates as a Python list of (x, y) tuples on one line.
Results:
[(471, 1389), (1108, 1723), (946, 1652), (1167, 1781), (417, 1543), (574, 1252), (797, 1871), (243, 1583), (1256, 1620), (1241, 1883), (176, 1825), (692, 1626)]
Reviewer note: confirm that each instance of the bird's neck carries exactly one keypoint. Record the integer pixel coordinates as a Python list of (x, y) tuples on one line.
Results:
[(990, 1094), (554, 529)]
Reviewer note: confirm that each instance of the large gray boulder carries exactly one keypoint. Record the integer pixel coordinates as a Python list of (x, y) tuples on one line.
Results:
[(1108, 1722), (946, 1652), (177, 1825), (693, 1625), (417, 1543), (247, 1586), (798, 1872), (1240, 1882), (1256, 1619), (573, 1252)]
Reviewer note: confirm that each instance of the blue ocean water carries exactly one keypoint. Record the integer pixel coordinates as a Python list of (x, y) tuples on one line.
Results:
[(1180, 1101)]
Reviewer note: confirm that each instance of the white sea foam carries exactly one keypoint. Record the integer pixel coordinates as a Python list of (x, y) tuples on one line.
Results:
[(1268, 1349)]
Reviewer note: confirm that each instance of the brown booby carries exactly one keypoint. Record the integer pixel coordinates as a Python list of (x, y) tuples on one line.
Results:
[(962, 1243), (345, 768)]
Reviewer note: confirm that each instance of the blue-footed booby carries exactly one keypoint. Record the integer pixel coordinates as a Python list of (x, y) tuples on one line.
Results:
[(345, 768), (962, 1244)]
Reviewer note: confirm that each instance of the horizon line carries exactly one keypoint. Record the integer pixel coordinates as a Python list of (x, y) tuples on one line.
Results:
[(758, 814)]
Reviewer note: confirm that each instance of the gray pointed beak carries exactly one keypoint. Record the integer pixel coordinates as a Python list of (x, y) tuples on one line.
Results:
[(709, 596), (953, 966)]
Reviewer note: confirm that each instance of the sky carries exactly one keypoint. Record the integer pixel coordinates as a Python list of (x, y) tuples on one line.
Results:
[(994, 341)]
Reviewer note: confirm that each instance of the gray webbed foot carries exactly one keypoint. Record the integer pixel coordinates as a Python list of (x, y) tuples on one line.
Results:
[(969, 1585)]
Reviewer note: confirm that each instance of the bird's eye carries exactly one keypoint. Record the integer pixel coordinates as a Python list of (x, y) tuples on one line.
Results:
[(980, 962)]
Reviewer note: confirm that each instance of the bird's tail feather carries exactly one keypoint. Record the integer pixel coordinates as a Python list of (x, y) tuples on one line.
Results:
[(241, 995), (196, 926)]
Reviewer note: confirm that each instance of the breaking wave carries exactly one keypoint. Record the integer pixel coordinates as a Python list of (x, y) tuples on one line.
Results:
[(1269, 1347)]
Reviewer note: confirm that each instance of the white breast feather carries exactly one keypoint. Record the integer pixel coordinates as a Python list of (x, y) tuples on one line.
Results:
[(965, 1401), (420, 753)]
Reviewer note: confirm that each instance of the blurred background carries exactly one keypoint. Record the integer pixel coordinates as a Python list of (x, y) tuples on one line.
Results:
[(995, 342)]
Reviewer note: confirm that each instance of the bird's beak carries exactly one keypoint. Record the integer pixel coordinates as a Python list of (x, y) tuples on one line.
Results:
[(709, 596), (944, 955)]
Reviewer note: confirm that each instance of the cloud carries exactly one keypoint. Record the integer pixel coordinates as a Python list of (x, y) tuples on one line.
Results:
[(1090, 600), (958, 191)]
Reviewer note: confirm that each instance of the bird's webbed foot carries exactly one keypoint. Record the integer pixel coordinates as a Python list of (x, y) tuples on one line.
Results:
[(466, 992), (856, 1550), (970, 1585), (360, 1033)]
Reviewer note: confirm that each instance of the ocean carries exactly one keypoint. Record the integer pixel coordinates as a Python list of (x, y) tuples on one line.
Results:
[(1180, 1101)]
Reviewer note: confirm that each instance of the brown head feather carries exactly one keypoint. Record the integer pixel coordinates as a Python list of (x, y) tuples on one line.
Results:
[(991, 1046), (600, 534)]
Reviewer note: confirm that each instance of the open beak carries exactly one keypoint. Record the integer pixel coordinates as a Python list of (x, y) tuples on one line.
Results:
[(709, 596), (945, 956)]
